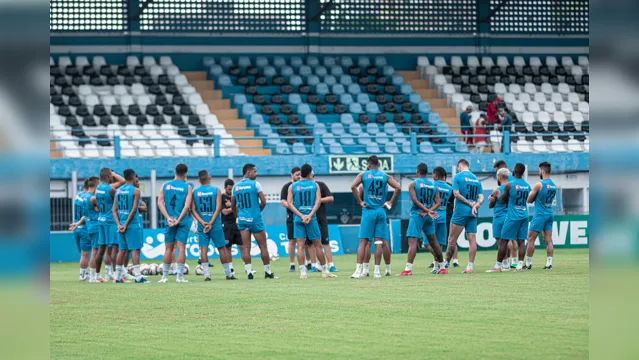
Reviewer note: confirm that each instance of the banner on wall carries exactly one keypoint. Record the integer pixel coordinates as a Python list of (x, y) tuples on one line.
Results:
[(353, 164)]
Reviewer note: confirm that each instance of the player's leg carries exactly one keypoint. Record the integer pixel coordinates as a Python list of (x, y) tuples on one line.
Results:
[(367, 258), (471, 234), (216, 237), (119, 259), (169, 251), (94, 255), (134, 238), (550, 249), (204, 240), (246, 254), (291, 246), (310, 249), (512, 250), (301, 257), (260, 237), (455, 231), (361, 252), (500, 245), (412, 252), (366, 233), (530, 248), (307, 253), (181, 260), (437, 253), (84, 266), (327, 248), (386, 253), (379, 249)]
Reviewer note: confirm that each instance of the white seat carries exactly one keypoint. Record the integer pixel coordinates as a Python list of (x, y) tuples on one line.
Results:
[(533, 106), (519, 107), (113, 130), (175, 143), (574, 146), (202, 110), (539, 146), (200, 150), (567, 62), (132, 61), (102, 90), (551, 62), (72, 153), (181, 151), (577, 72), (487, 62), (440, 62), (84, 90), (566, 108), (120, 90), (98, 62), (137, 89), (577, 118), (107, 151), (573, 98), (81, 62), (162, 149), (556, 98), (51, 62), (502, 62), (145, 150), (148, 61), (528, 119), (422, 61), (583, 62), (167, 131), (91, 150), (52, 109), (472, 62), (559, 117), (143, 100), (544, 118), (456, 62), (155, 71), (180, 81), (586, 144), (195, 99), (126, 100), (509, 98), (108, 100), (210, 120), (524, 97), (584, 108), (530, 88), (64, 61), (514, 89), (557, 146), (524, 146), (519, 62), (165, 61), (149, 131), (131, 131), (539, 97), (187, 90), (500, 89), (172, 71), (127, 150), (564, 90), (535, 62), (91, 100)]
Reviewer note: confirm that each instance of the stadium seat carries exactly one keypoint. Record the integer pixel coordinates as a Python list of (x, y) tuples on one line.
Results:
[(426, 148)]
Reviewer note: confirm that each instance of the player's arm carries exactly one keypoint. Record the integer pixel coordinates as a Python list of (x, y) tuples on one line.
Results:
[(134, 208), (355, 191), (74, 225), (142, 206), (161, 204), (119, 181), (234, 205), (260, 195), (533, 193), (437, 201), (506, 194), (461, 199), (218, 207), (413, 197), (395, 185), (318, 202), (114, 211), (290, 203), (94, 202), (476, 205), (492, 198), (284, 196), (196, 215), (327, 197), (187, 204), (227, 211)]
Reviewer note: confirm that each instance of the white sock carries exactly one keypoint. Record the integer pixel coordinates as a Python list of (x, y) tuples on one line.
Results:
[(318, 265), (324, 269), (388, 268), (165, 270), (109, 269), (137, 273), (549, 261), (92, 274), (455, 261), (331, 264), (248, 268), (441, 265), (98, 275), (292, 264), (497, 265), (365, 268), (358, 268), (180, 271), (505, 263), (520, 264), (408, 267), (528, 260), (174, 266), (307, 262), (227, 271), (267, 269), (302, 270), (469, 266), (513, 260), (376, 269)]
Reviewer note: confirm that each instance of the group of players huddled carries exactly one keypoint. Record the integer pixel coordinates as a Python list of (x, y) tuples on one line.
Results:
[(108, 225)]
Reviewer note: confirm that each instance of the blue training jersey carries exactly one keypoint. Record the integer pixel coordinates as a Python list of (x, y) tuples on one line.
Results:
[(304, 192), (125, 197), (545, 198), (445, 192), (425, 192), (175, 192), (205, 198), (105, 203), (517, 200), (500, 210), (469, 187), (247, 200), (78, 208), (90, 215), (375, 183)]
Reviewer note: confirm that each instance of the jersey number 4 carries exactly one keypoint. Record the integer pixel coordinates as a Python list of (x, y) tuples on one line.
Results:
[(375, 188)]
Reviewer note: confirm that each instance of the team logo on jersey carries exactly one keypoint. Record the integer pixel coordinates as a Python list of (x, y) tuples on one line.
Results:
[(199, 193), (298, 188), (421, 186), (237, 188), (517, 187), (370, 176), (547, 186), (168, 187), (466, 179)]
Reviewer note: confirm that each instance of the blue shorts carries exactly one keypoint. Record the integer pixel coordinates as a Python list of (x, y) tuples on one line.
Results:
[(468, 222), (131, 239), (498, 224), (82, 240), (542, 222), (215, 237), (374, 225), (108, 234), (179, 232), (304, 231), (441, 231), (515, 229), (254, 227), (94, 240), (420, 224)]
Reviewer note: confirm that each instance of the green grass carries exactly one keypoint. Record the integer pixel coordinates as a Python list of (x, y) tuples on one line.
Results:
[(532, 315)]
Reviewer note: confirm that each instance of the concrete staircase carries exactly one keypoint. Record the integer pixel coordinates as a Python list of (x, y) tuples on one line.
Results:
[(439, 105), (225, 114), (53, 153)]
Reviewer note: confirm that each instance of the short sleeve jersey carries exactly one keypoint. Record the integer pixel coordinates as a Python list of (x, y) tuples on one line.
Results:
[(304, 195), (90, 215), (425, 192), (517, 207), (284, 196), (321, 212), (445, 192), (247, 200), (500, 210), (469, 187), (175, 192), (375, 183), (545, 198), (205, 198), (78, 207), (105, 203), (124, 201)]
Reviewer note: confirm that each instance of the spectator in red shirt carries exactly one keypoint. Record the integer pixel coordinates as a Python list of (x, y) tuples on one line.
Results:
[(492, 109), (480, 128)]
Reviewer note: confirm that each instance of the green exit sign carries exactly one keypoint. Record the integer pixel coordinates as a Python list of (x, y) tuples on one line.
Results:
[(350, 164)]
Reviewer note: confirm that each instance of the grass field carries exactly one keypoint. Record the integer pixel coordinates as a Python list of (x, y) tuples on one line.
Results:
[(532, 315)]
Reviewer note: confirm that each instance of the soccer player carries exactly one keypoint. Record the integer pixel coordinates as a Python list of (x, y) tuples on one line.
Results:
[(141, 209), (425, 198), (229, 224), (373, 224), (206, 208), (108, 232), (248, 201), (327, 198), (91, 212), (468, 193), (295, 176), (499, 216), (174, 202), (516, 224), (511, 255), (543, 195), (304, 199), (367, 251), (125, 213), (80, 233), (440, 222)]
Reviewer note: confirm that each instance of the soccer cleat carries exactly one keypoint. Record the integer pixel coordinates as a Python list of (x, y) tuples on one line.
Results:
[(308, 267), (387, 273), (328, 275), (443, 271), (303, 276), (292, 268), (208, 278), (547, 267), (270, 276), (377, 276), (121, 281), (163, 280), (405, 273), (181, 280), (447, 264), (232, 271), (313, 269), (435, 271), (232, 277), (333, 269), (519, 269), (110, 277), (128, 276), (101, 280), (365, 274), (528, 267), (143, 280), (468, 271), (431, 266), (513, 265), (356, 275), (494, 270), (455, 264), (250, 276)]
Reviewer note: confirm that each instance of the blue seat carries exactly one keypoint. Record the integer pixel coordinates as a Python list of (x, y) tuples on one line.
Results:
[(461, 147), (363, 61), (335, 148), (347, 139), (321, 71), (380, 61), (286, 71), (208, 61), (381, 138), (256, 120), (273, 139), (364, 139), (296, 61), (426, 148), (400, 138), (388, 70), (346, 119), (282, 149), (397, 80), (392, 148), (261, 61), (224, 80), (239, 100), (312, 61), (294, 99), (216, 70), (354, 89), (406, 89), (305, 70), (244, 62), (442, 128), (303, 109), (355, 129), (345, 61), (295, 80), (337, 71), (415, 99), (452, 137), (346, 99), (310, 119), (328, 138), (319, 129), (406, 148), (434, 119), (265, 130), (226, 62), (372, 108), (390, 128), (355, 108), (279, 61), (299, 149), (322, 89), (312, 80), (248, 109), (329, 61), (363, 99), (372, 128), (337, 128), (269, 71), (424, 107), (345, 80), (330, 80), (444, 150), (338, 89), (373, 148)]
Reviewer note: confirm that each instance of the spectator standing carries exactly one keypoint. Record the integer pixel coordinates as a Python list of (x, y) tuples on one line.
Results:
[(491, 111), (466, 128), (504, 123)]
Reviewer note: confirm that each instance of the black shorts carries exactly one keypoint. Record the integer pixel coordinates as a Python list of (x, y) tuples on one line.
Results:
[(232, 235), (289, 230), (324, 234)]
